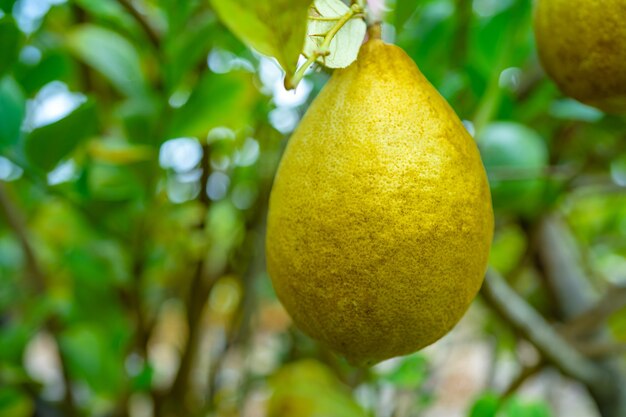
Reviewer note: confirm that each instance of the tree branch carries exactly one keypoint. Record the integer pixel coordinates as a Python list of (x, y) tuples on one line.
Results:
[(560, 261), (533, 327)]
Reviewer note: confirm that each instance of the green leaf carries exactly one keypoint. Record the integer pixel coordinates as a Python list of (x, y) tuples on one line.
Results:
[(93, 357), (7, 5), (403, 11), (515, 408), (12, 109), (15, 403), (13, 340), (178, 12), (186, 48), (46, 146), (411, 372), (140, 116), (486, 405), (107, 10), (113, 182), (10, 37), (112, 55), (273, 27), (218, 100), (55, 65), (346, 43)]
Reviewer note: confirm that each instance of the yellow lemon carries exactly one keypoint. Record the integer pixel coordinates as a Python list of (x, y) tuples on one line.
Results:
[(380, 217)]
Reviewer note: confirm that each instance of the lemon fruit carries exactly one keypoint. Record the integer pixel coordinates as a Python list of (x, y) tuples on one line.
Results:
[(582, 45), (380, 217), (515, 157)]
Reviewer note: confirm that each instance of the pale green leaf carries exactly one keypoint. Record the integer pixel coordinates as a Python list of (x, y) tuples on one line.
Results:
[(272, 27), (345, 45), (112, 55)]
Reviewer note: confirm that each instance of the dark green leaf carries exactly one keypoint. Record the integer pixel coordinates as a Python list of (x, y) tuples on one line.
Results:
[(55, 65), (9, 44), (46, 146), (15, 403), (12, 108), (7, 5)]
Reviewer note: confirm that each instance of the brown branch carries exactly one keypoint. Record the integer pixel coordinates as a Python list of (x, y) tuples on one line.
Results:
[(559, 259), (150, 32), (520, 315)]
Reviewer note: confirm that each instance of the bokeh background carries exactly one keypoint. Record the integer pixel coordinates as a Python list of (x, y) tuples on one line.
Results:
[(138, 143)]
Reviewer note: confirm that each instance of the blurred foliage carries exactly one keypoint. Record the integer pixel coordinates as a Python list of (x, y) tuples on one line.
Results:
[(138, 142)]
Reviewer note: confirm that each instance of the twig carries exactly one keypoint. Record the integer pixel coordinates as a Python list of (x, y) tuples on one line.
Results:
[(153, 36), (520, 315), (526, 373)]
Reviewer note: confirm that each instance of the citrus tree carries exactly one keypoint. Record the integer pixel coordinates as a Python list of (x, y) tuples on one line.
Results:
[(139, 143)]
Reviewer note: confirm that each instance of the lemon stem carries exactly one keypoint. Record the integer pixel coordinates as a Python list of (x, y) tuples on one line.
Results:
[(375, 31)]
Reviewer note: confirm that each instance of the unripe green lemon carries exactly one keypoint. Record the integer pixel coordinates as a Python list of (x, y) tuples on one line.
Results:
[(582, 45), (380, 217)]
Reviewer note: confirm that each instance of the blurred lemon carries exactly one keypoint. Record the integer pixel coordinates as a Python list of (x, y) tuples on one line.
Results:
[(582, 45)]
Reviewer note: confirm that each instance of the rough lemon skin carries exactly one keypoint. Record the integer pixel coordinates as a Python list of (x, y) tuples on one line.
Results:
[(582, 45), (380, 217)]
